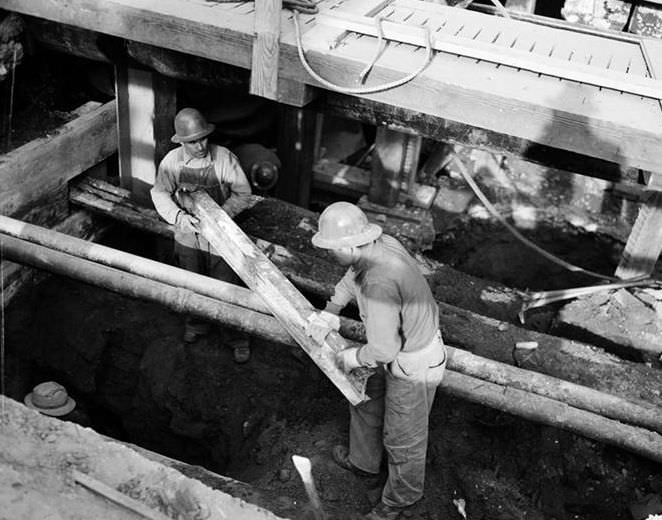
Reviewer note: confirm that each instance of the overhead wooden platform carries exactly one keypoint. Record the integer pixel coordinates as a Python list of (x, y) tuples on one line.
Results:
[(550, 83)]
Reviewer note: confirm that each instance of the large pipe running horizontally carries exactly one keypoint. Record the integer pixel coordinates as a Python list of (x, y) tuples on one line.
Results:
[(526, 405), (459, 360)]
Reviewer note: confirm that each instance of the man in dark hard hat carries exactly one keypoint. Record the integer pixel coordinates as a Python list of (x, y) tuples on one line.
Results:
[(404, 345), (196, 164)]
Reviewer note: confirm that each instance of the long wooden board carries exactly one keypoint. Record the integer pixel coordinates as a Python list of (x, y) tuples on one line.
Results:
[(284, 300)]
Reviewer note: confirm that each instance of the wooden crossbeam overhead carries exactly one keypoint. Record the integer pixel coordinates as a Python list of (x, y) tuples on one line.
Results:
[(562, 114)]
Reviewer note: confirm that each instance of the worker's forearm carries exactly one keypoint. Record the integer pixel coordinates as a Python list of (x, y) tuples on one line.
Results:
[(165, 205)]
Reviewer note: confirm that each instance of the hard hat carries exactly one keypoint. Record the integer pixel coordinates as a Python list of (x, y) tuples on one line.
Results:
[(344, 225), (50, 398), (190, 125)]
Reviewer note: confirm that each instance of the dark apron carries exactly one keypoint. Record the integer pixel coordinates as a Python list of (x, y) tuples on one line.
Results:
[(192, 251)]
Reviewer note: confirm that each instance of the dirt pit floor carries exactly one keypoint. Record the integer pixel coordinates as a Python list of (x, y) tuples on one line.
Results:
[(135, 380)]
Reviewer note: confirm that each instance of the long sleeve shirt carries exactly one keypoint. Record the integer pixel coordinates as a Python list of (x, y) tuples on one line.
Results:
[(394, 299), (227, 170)]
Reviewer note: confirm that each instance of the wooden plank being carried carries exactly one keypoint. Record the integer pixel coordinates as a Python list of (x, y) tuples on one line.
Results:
[(286, 303)]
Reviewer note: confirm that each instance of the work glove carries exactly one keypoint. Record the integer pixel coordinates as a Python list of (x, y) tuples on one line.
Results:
[(320, 324), (348, 359), (186, 222)]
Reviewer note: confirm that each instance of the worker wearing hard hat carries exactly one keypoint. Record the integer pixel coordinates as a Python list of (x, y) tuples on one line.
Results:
[(403, 345), (197, 164)]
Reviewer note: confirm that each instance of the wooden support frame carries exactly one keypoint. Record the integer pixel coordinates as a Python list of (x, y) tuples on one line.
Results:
[(31, 174), (146, 104), (264, 63), (296, 150)]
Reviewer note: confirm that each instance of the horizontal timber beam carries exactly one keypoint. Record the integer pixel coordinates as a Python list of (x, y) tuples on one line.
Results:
[(43, 166), (444, 130)]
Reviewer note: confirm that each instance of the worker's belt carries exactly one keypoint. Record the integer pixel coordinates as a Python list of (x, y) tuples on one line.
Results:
[(408, 364)]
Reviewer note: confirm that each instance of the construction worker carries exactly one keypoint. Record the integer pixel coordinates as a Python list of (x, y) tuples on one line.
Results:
[(403, 345), (196, 164)]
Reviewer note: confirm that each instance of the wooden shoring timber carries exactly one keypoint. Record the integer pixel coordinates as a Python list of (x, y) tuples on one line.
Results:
[(513, 400), (39, 168), (287, 304), (490, 338), (264, 63)]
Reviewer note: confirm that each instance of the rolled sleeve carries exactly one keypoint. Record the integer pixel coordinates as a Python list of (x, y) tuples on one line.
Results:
[(163, 191), (381, 310)]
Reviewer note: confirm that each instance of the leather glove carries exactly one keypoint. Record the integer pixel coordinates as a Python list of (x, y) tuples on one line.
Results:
[(348, 359), (320, 324), (186, 222)]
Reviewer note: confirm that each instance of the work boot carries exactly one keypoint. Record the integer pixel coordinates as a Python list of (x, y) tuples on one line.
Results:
[(341, 457), (383, 512)]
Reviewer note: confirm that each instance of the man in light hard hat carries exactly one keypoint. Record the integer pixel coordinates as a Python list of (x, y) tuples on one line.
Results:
[(197, 164), (403, 345)]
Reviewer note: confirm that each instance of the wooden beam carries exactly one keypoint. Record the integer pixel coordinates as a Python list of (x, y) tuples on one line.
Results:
[(33, 172), (296, 148), (454, 132), (264, 64), (146, 105), (286, 303), (644, 244), (394, 164)]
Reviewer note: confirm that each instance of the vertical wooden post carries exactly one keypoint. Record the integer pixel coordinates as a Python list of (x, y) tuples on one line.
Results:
[(264, 65), (644, 244), (296, 149), (146, 106), (394, 161)]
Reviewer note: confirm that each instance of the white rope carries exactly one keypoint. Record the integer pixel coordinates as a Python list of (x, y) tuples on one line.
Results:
[(359, 90), (495, 213)]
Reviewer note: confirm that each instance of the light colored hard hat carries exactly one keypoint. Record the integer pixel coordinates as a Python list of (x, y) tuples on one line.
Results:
[(50, 398), (190, 125), (344, 225)]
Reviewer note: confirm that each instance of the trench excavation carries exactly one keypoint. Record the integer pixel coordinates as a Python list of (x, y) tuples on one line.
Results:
[(555, 416)]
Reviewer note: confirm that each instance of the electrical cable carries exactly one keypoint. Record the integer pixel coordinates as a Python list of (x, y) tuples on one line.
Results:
[(359, 90), (495, 213)]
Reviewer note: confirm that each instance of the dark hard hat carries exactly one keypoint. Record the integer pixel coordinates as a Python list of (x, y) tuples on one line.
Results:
[(190, 125), (344, 225)]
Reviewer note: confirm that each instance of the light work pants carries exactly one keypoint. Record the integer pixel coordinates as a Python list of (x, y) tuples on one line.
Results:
[(395, 419)]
